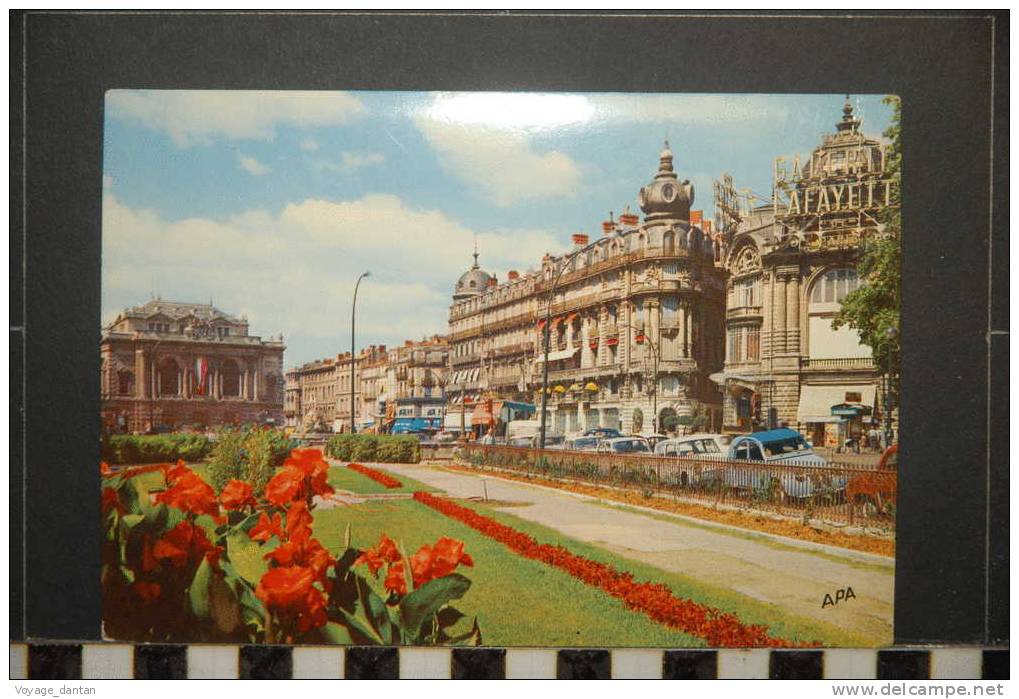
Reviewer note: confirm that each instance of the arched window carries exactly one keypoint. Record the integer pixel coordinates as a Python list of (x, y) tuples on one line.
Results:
[(231, 379), (825, 342), (125, 382), (167, 374), (669, 243), (834, 285)]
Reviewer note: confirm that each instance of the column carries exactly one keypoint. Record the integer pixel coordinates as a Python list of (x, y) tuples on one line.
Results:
[(244, 383), (681, 335), (141, 374), (778, 314), (255, 385), (688, 331), (792, 316)]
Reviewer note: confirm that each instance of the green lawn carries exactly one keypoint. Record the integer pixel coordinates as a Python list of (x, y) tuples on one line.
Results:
[(749, 610), (343, 478), (518, 602)]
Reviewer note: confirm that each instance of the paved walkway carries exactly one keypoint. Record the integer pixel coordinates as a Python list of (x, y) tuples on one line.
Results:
[(796, 580)]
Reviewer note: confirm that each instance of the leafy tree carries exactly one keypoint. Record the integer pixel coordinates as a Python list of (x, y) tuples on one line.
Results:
[(873, 308)]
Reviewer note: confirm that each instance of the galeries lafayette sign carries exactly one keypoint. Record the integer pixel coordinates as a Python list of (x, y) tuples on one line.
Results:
[(845, 196)]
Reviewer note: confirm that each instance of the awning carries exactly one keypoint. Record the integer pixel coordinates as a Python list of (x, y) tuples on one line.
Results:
[(818, 400), (541, 323), (570, 317), (557, 321), (474, 374), (557, 355), (414, 424), (818, 419)]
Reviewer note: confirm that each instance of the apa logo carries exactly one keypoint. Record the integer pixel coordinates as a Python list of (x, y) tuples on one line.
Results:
[(840, 596)]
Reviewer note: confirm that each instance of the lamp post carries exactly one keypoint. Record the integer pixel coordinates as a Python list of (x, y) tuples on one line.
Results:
[(353, 316), (891, 333), (563, 264)]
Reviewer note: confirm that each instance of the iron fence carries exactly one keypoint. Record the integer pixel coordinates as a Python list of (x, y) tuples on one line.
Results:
[(838, 494)]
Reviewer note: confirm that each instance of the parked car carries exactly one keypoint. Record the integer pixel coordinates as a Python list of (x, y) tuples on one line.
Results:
[(778, 447), (603, 433), (582, 443), (654, 439), (624, 445), (699, 447)]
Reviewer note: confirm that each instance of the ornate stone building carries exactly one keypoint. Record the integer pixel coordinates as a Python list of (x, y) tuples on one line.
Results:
[(167, 364), (790, 264), (637, 321)]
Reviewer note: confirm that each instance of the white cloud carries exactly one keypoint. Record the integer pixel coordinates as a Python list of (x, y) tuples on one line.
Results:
[(192, 117), (687, 109), (294, 271), (252, 166), (309, 145), (349, 162), (502, 164)]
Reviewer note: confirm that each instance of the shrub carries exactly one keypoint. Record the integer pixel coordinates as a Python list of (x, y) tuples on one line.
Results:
[(396, 449), (250, 455), (147, 449)]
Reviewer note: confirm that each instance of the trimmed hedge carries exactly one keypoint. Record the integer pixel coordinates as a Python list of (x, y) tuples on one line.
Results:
[(393, 449), (148, 449)]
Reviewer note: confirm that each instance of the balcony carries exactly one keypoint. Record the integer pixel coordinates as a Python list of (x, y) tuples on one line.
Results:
[(840, 364), (744, 313)]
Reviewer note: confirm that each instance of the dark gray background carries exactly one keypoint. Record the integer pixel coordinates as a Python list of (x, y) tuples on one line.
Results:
[(952, 572)]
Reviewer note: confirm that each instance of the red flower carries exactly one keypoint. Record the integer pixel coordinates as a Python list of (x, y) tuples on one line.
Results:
[(111, 501), (396, 579), (305, 552), (718, 628), (185, 544), (285, 487), (237, 495), (298, 521), (189, 493), (378, 476), (104, 469), (149, 592), (375, 558), (290, 593), (436, 561), (267, 528), (172, 473), (304, 475)]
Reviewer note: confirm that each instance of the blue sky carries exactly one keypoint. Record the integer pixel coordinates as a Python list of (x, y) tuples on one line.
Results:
[(271, 203)]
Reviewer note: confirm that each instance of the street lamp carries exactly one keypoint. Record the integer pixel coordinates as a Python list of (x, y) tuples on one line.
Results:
[(353, 315), (891, 333), (564, 263)]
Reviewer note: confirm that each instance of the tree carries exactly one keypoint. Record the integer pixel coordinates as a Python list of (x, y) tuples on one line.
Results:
[(873, 309)]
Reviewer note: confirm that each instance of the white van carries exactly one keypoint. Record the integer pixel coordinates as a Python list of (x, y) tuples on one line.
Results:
[(695, 446)]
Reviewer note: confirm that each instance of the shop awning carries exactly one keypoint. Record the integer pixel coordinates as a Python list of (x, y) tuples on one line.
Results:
[(818, 419), (816, 401), (557, 355)]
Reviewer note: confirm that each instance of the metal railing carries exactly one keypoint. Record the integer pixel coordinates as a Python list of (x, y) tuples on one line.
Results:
[(837, 494)]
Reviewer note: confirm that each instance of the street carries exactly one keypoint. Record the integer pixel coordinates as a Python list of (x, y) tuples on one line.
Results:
[(776, 573)]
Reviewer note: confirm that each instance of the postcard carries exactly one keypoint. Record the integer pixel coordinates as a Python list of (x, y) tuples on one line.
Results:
[(500, 369)]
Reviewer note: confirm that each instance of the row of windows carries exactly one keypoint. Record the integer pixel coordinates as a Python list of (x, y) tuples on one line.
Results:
[(831, 287)]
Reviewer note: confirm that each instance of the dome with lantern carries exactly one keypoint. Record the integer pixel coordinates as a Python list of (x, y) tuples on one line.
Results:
[(473, 282), (666, 197)]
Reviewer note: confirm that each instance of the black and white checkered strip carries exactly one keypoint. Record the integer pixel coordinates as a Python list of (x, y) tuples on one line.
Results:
[(111, 660)]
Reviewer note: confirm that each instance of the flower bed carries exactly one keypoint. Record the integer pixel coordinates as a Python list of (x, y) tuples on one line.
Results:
[(718, 628), (377, 476)]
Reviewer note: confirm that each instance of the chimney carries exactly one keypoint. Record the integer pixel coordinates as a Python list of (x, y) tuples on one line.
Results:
[(513, 275), (627, 219), (579, 239), (492, 282), (608, 226), (696, 216)]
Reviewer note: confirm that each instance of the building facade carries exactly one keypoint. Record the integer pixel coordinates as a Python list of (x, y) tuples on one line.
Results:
[(167, 364), (637, 322), (790, 265)]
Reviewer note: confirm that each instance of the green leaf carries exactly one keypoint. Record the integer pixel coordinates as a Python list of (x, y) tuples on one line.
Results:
[(337, 634), (247, 557), (447, 616), (198, 593), (375, 612), (361, 628), (425, 601)]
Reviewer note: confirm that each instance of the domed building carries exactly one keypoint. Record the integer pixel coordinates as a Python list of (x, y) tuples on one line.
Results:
[(791, 263), (636, 322)]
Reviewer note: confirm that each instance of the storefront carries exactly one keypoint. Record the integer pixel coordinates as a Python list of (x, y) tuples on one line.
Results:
[(831, 414)]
